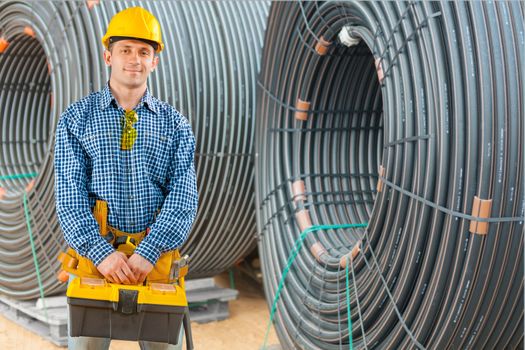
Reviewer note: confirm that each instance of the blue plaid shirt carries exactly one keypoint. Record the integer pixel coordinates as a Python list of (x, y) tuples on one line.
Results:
[(157, 173)]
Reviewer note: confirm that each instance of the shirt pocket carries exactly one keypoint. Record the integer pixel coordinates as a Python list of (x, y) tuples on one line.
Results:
[(157, 156), (99, 144)]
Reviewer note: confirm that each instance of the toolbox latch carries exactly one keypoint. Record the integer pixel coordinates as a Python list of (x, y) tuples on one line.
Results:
[(127, 301)]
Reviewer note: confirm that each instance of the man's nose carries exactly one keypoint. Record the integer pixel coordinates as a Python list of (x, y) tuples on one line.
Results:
[(135, 57)]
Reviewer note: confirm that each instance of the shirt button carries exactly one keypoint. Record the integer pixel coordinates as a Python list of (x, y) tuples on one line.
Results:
[(131, 196)]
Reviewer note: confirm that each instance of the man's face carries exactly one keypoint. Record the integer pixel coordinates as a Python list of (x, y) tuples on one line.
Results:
[(131, 62)]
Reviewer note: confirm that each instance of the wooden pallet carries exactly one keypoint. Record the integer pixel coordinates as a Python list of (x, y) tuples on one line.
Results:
[(49, 322), (208, 302)]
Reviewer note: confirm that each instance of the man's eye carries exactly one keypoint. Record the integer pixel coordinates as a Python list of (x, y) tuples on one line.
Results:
[(145, 53)]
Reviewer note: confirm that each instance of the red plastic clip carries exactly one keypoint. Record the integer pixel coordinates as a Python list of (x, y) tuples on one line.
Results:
[(29, 31), (3, 44)]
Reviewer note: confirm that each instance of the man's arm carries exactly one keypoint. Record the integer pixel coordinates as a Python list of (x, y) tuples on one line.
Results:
[(171, 227), (80, 228)]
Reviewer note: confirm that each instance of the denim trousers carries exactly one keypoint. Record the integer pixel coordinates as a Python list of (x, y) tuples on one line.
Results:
[(94, 343)]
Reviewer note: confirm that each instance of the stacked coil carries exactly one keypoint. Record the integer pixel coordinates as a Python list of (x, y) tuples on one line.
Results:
[(407, 116), (51, 56)]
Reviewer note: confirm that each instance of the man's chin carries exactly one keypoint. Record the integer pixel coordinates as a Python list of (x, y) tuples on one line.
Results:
[(133, 83)]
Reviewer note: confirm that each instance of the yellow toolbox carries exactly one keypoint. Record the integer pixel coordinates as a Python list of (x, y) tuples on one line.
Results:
[(154, 312)]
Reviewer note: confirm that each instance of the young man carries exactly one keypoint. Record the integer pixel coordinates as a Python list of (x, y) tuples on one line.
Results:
[(123, 146)]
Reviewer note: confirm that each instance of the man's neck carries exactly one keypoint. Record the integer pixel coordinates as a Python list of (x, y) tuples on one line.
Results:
[(126, 97)]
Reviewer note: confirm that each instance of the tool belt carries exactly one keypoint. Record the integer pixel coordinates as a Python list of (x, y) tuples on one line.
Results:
[(170, 268)]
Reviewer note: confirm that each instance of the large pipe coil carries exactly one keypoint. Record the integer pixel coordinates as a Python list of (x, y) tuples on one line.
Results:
[(51, 56), (407, 117)]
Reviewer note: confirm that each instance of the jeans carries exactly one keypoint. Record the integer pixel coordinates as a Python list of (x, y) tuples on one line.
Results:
[(93, 343)]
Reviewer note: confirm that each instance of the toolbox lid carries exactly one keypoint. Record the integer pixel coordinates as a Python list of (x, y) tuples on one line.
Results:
[(151, 294)]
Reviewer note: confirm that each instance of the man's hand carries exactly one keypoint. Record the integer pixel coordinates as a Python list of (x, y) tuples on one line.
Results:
[(140, 267), (115, 268)]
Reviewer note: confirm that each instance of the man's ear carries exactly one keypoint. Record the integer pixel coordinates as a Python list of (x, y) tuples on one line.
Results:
[(154, 63), (107, 57)]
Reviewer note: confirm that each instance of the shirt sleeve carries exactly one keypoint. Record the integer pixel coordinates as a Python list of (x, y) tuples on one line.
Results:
[(178, 212), (78, 224)]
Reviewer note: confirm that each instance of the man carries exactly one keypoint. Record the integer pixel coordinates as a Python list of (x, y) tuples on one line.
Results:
[(123, 146)]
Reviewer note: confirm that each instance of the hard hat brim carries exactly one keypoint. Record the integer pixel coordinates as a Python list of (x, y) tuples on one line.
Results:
[(152, 43)]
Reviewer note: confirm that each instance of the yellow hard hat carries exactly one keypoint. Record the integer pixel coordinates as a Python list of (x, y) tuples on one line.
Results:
[(135, 23)]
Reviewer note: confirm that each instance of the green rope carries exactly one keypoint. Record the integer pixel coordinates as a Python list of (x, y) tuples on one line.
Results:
[(203, 303), (17, 176), (348, 306), (33, 250), (232, 280), (297, 246), (197, 304)]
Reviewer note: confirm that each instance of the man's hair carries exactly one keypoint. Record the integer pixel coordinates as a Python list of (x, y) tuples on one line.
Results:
[(151, 43)]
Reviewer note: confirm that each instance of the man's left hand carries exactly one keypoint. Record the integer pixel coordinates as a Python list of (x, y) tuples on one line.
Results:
[(140, 267)]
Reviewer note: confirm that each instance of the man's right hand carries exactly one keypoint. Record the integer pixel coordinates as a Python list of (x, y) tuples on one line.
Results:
[(116, 270)]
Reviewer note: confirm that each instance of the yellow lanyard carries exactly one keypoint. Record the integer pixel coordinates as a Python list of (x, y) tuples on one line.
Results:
[(129, 134)]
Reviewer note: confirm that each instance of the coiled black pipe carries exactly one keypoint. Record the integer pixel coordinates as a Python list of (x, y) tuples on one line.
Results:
[(401, 125), (208, 72)]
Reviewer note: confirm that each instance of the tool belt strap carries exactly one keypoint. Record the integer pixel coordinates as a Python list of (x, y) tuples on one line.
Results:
[(100, 212)]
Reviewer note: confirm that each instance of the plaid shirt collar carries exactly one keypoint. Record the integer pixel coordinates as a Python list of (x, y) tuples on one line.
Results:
[(106, 97)]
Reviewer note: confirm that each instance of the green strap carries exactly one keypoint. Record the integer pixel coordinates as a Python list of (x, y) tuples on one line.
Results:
[(297, 246), (18, 176), (348, 306), (33, 250), (202, 303), (232, 279)]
